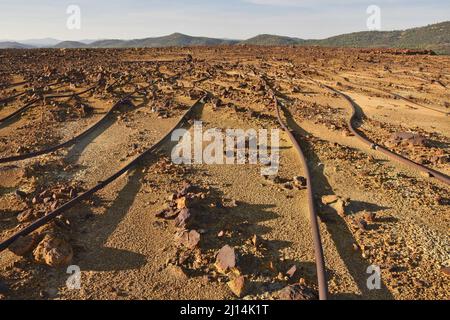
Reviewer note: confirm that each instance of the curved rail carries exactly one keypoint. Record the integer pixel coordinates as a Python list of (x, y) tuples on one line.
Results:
[(70, 204), (32, 102), (431, 172), (318, 250), (3, 100), (69, 142)]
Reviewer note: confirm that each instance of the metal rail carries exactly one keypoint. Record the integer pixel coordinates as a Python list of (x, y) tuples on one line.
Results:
[(69, 142), (431, 172), (32, 102), (318, 250), (70, 204)]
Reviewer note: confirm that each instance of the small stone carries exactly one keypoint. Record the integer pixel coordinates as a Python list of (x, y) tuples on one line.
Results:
[(339, 206), (326, 200), (256, 241), (190, 239), (182, 203), (221, 234), (297, 292), (226, 259), (290, 273), (184, 190), (237, 286)]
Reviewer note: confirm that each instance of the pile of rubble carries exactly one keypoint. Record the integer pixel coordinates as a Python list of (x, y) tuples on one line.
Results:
[(49, 244)]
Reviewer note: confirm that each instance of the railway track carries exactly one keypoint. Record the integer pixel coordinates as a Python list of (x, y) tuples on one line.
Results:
[(3, 100), (392, 155), (351, 125), (44, 97), (318, 249), (70, 204), (70, 142), (75, 139)]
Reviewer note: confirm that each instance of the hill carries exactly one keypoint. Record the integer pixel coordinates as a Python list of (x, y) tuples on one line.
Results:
[(71, 45), (173, 40), (434, 37), (14, 45), (272, 40)]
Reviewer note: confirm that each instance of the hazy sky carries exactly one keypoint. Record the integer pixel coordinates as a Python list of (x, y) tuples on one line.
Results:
[(239, 19)]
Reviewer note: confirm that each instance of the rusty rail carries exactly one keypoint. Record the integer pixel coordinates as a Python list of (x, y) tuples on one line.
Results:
[(32, 102), (318, 250), (431, 172), (68, 143), (70, 204)]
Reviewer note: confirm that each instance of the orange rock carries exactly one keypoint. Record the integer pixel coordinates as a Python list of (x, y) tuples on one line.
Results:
[(237, 286), (226, 259), (53, 251)]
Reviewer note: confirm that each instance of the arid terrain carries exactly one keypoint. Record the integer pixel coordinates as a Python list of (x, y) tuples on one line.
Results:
[(167, 231)]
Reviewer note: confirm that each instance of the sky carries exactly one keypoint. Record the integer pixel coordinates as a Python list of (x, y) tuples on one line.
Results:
[(236, 19)]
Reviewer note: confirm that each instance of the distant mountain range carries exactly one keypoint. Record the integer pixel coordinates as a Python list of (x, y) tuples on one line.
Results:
[(434, 37)]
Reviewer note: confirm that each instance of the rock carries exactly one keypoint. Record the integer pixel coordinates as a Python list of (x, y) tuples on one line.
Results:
[(326, 200), (339, 206), (290, 273), (53, 251), (221, 234), (237, 286), (297, 292), (183, 218), (446, 271), (23, 245), (225, 260), (189, 239), (182, 203)]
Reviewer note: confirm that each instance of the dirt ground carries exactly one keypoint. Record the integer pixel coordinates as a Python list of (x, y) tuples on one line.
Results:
[(125, 240)]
